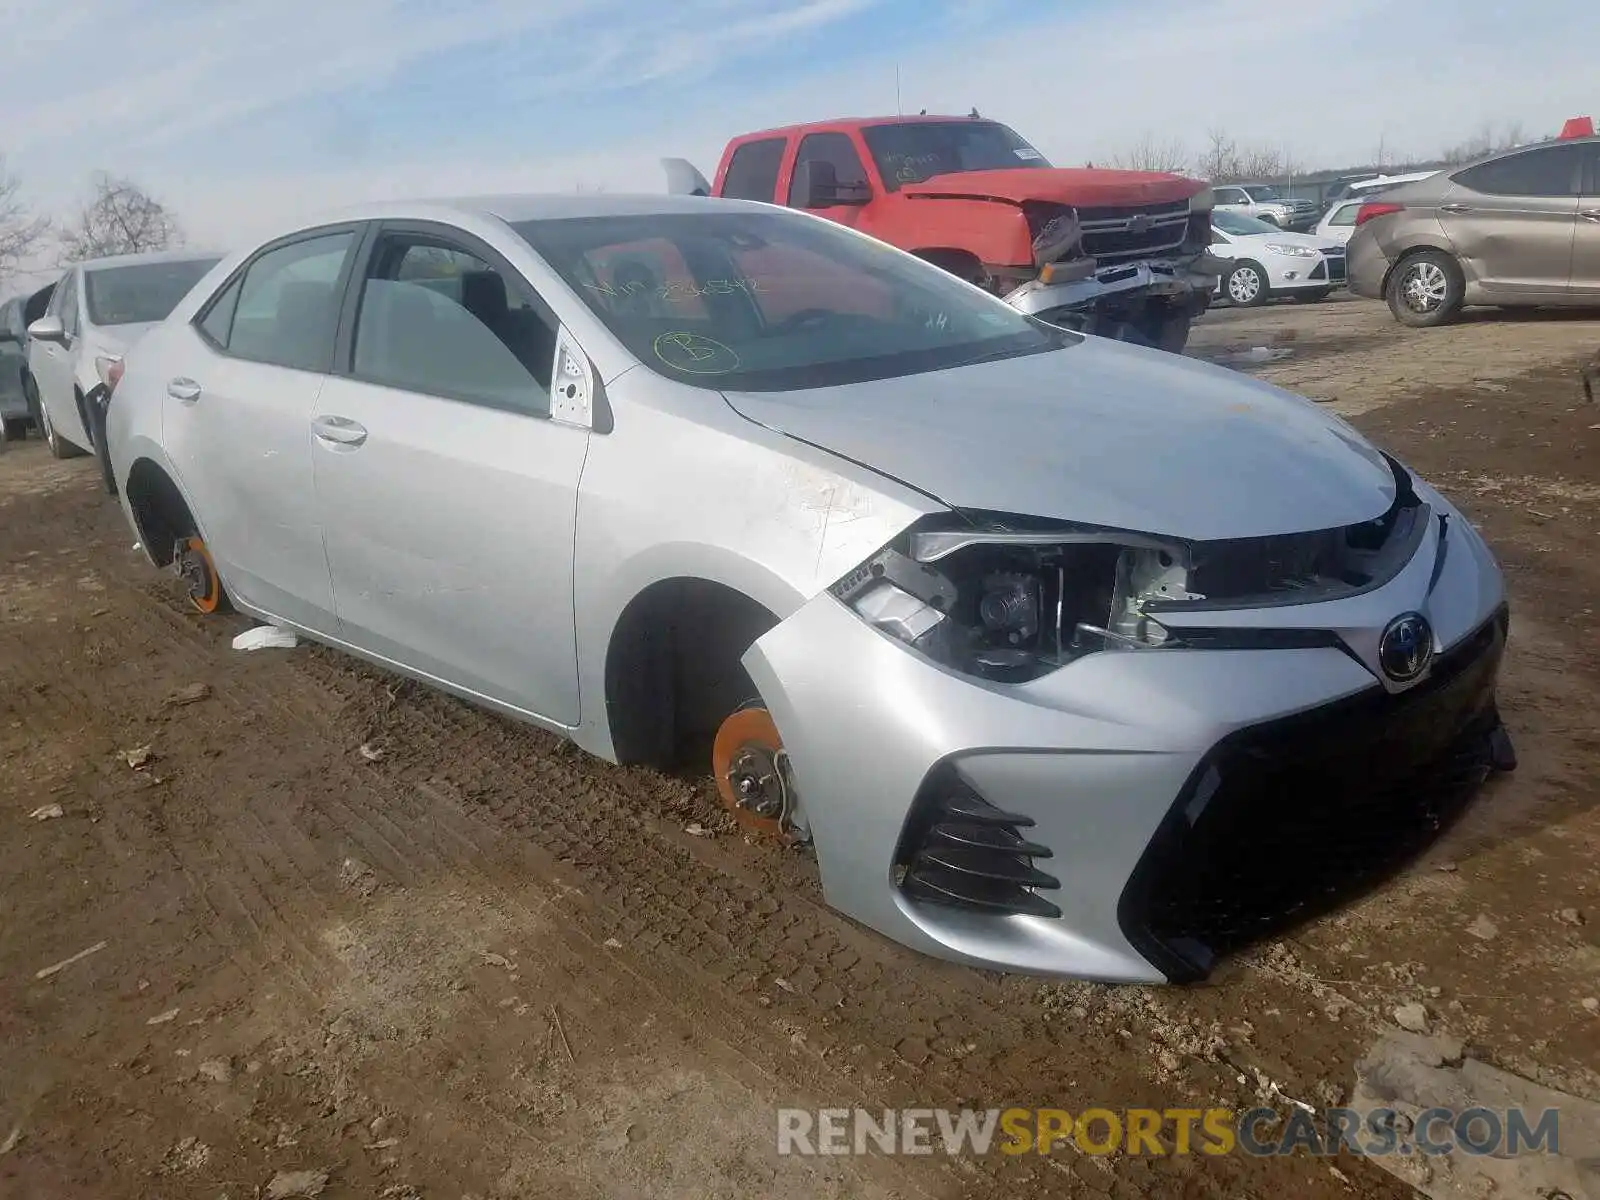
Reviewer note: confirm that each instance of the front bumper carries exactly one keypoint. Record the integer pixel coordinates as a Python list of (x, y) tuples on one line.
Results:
[(1178, 280), (1191, 800)]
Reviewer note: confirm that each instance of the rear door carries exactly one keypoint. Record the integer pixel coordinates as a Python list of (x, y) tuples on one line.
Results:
[(237, 414), (448, 493), (1586, 234), (1512, 220)]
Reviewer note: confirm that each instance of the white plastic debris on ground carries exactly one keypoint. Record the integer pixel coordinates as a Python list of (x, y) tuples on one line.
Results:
[(266, 637)]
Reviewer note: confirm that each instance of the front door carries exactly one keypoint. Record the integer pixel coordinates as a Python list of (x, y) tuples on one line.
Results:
[(51, 366), (236, 422), (448, 495), (1512, 220)]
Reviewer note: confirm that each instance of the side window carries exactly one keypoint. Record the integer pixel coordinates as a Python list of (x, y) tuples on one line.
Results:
[(439, 320), (1551, 171), (286, 311), (753, 171), (1229, 196), (837, 150), (65, 303), (217, 324)]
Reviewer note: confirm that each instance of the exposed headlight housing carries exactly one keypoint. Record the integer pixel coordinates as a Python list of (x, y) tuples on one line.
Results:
[(1008, 599), (1292, 251)]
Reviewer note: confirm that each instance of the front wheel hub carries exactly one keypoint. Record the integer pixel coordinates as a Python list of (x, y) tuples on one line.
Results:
[(752, 772)]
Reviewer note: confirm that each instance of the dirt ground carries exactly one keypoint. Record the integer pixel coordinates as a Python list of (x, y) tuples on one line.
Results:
[(336, 923)]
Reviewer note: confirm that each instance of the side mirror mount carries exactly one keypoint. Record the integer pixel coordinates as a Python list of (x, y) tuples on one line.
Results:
[(577, 396), (48, 329), (817, 185)]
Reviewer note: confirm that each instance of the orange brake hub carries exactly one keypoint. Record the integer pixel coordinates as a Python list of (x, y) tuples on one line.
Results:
[(199, 574), (751, 772)]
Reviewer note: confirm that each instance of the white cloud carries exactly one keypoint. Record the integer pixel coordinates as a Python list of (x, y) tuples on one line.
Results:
[(1325, 82)]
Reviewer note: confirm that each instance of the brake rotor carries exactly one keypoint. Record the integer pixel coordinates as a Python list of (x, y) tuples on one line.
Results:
[(751, 770), (193, 565)]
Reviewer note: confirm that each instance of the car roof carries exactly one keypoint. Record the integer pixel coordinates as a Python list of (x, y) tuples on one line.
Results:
[(515, 208), (151, 256), (862, 123)]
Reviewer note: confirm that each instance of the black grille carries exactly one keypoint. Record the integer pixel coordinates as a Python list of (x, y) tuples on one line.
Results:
[(1284, 821), (961, 851), (1336, 267)]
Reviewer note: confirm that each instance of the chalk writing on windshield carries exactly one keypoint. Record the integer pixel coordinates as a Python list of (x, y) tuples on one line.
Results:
[(678, 291), (694, 354)]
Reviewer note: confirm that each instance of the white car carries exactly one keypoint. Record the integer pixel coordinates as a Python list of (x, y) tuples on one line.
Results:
[(1270, 262), (99, 308), (1339, 222)]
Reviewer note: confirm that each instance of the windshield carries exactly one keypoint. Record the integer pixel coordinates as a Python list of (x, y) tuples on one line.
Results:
[(916, 151), (756, 301), (1260, 192), (142, 293), (1240, 225)]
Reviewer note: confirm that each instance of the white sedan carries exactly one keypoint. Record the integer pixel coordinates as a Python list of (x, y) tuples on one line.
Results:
[(1269, 262)]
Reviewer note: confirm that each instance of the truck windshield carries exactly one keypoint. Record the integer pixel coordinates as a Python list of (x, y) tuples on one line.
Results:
[(1262, 193), (916, 151), (743, 300), (141, 292)]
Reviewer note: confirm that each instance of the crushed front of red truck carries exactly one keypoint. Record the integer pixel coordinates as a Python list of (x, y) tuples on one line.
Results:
[(1135, 272)]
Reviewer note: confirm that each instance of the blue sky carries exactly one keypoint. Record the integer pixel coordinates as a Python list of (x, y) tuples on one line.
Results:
[(241, 114)]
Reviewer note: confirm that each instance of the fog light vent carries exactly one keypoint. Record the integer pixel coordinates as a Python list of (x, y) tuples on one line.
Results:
[(964, 852)]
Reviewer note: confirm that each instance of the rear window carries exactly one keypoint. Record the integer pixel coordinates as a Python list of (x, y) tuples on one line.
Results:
[(774, 301), (141, 293)]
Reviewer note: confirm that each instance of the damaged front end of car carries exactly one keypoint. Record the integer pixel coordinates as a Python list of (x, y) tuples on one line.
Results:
[(1137, 274), (1035, 745)]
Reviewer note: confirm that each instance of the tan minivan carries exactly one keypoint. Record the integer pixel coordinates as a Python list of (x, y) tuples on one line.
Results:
[(1520, 228)]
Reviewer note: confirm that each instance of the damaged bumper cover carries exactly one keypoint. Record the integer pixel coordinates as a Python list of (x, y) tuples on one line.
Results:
[(1145, 811), (1070, 288)]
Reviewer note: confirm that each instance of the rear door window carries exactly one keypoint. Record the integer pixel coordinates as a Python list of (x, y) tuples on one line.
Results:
[(753, 171), (1548, 171), (287, 306)]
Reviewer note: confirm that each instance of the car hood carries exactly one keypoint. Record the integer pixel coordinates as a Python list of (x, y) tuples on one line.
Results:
[(1101, 433), (1081, 186)]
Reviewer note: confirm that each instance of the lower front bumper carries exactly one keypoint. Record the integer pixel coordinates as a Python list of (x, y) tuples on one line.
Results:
[(1180, 280), (1155, 781)]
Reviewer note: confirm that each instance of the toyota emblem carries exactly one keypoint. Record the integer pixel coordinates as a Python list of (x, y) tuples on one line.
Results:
[(1406, 649)]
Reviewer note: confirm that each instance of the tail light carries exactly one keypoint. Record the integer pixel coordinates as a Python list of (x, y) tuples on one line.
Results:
[(1367, 211), (109, 368)]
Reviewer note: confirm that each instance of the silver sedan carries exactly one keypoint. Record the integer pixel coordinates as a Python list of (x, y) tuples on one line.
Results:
[(1064, 656)]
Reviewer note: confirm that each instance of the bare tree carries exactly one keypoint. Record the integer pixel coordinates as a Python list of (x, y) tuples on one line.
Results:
[(120, 218), (1485, 141), (21, 231), (1225, 161), (1148, 154)]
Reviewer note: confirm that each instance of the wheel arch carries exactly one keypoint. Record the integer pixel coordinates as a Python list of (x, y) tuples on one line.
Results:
[(1418, 245), (672, 666), (159, 508)]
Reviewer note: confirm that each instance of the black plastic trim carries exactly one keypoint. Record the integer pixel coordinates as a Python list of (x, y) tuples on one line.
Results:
[(1187, 957)]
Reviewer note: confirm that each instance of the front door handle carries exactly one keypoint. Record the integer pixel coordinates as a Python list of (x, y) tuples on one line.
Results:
[(1590, 214), (183, 390), (339, 431), (1455, 208)]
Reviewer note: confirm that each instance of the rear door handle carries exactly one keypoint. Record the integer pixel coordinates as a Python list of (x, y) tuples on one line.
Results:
[(184, 390), (1590, 214), (1455, 208), (339, 431)]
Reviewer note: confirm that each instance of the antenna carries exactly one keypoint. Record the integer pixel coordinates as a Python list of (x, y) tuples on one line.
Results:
[(899, 110)]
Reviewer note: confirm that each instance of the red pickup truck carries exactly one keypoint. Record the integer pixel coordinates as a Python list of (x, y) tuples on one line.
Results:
[(1120, 253)]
